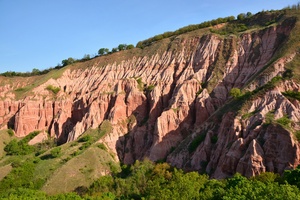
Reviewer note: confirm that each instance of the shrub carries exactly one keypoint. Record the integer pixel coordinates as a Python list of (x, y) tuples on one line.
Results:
[(297, 134), (292, 94), (53, 89), (195, 143), (235, 92), (149, 88), (284, 121), (102, 146), (85, 145), (68, 61), (55, 152), (214, 139), (21, 147), (269, 117), (85, 138), (10, 132)]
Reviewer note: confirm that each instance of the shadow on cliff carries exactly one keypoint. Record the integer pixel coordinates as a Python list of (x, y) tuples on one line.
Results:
[(77, 114), (137, 143)]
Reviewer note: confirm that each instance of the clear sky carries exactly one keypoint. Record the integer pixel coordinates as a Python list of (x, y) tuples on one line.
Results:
[(41, 33)]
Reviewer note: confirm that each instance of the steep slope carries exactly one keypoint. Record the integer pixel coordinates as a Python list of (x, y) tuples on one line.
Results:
[(170, 101)]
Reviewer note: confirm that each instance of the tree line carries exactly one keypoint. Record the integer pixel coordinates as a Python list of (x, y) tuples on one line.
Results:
[(146, 180), (68, 61), (141, 44)]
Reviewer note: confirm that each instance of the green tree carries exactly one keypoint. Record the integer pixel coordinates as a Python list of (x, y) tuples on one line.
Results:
[(122, 47), (86, 57), (55, 152), (249, 14), (113, 50), (35, 71), (241, 16), (130, 46), (103, 51), (293, 176), (67, 61), (235, 92)]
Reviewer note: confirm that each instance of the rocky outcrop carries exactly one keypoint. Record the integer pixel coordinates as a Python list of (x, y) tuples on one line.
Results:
[(158, 104)]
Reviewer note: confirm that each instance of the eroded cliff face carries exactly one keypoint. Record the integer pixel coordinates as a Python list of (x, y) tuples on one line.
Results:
[(157, 105)]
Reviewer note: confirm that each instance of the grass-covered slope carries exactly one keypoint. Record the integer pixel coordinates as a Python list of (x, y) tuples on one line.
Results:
[(53, 169)]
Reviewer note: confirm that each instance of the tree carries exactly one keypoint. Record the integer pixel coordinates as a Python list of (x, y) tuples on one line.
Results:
[(122, 47), (55, 152), (113, 50), (67, 61), (103, 51), (235, 92), (86, 57), (292, 176), (241, 16), (35, 71), (130, 46), (249, 14)]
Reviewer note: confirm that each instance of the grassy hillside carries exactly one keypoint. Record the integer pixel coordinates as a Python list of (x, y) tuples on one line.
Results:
[(44, 165)]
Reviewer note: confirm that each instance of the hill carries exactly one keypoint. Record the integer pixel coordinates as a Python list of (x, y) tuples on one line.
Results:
[(218, 98)]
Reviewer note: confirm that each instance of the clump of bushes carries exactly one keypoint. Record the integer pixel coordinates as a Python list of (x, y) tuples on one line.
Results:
[(10, 132), (53, 89), (235, 92), (85, 138), (55, 152), (284, 121), (21, 147), (195, 143), (292, 94), (102, 146)]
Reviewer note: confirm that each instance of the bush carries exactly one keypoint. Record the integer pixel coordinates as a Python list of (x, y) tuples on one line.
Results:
[(214, 139), (85, 138), (284, 121), (68, 61), (297, 134), (292, 94), (21, 147), (195, 143), (55, 152), (10, 132), (53, 89), (102, 146), (235, 92)]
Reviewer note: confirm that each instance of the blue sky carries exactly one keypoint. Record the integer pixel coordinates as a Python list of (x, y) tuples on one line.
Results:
[(41, 33)]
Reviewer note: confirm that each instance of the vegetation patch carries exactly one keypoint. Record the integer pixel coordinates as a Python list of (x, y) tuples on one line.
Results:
[(21, 147), (297, 135), (196, 142), (269, 118), (284, 121), (102, 146), (10, 132), (250, 114), (53, 89), (292, 94), (235, 92), (214, 139)]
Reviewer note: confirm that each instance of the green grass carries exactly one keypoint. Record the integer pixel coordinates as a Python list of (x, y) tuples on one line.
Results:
[(284, 121), (5, 170), (5, 138), (297, 135), (53, 89), (248, 115), (82, 170), (269, 117), (292, 94)]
